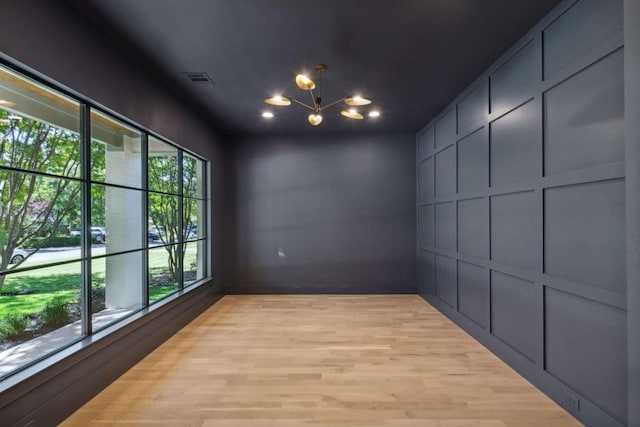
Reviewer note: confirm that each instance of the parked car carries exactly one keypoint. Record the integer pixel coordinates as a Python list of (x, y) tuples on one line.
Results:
[(98, 234), (192, 232), (18, 256), (153, 233)]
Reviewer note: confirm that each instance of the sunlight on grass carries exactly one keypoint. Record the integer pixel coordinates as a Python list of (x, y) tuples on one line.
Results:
[(64, 281)]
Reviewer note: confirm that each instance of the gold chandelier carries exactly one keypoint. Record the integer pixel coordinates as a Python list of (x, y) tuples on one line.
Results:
[(315, 118)]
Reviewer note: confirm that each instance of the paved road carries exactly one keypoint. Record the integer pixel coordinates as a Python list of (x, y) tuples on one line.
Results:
[(58, 254), (55, 254)]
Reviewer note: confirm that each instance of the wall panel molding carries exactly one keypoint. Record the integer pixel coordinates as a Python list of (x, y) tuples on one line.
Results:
[(552, 207)]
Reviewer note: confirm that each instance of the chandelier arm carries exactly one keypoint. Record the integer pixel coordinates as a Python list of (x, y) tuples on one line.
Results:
[(332, 104), (313, 99), (302, 103)]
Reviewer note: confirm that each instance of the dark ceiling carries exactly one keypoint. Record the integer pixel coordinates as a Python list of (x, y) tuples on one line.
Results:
[(412, 57)]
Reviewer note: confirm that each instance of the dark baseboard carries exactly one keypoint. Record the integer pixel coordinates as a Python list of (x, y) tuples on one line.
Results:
[(50, 395), (321, 289)]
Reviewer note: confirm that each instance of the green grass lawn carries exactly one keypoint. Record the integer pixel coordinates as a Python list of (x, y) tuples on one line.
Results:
[(64, 281)]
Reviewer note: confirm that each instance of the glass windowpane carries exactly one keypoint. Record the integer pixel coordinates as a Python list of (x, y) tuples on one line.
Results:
[(39, 313), (163, 217), (193, 219), (116, 217), (39, 128), (193, 173), (37, 215), (163, 167), (116, 154), (194, 268), (163, 271), (117, 283)]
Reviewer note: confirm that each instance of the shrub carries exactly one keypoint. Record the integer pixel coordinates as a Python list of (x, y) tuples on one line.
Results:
[(98, 298), (98, 295), (56, 312), (13, 325), (52, 242)]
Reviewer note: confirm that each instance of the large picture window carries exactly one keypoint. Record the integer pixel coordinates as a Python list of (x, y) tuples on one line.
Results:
[(95, 225)]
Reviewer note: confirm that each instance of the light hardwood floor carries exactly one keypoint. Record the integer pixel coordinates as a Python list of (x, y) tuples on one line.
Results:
[(256, 361)]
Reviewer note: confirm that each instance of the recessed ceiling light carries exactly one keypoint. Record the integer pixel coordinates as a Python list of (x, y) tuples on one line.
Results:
[(267, 115), (374, 114)]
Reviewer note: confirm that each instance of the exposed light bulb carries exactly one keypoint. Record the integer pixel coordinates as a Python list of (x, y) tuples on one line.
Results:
[(357, 100), (304, 82), (278, 100), (315, 119)]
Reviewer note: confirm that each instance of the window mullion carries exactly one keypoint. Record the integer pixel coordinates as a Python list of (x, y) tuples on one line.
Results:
[(85, 220), (145, 217), (181, 232)]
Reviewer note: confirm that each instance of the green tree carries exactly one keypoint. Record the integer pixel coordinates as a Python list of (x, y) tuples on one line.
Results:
[(35, 205), (164, 209)]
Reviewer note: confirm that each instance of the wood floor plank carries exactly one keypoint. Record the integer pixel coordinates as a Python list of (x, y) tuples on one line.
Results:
[(321, 360)]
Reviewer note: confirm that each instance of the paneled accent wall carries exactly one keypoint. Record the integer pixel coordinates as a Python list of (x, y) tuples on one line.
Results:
[(521, 209)]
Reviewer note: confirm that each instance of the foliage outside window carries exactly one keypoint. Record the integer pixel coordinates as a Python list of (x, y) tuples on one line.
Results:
[(49, 240)]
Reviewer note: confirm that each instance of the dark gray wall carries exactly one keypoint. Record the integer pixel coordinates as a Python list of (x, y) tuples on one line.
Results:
[(55, 42), (632, 110), (323, 214), (521, 209)]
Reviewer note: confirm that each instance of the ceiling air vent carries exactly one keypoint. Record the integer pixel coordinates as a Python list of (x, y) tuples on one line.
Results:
[(200, 78)]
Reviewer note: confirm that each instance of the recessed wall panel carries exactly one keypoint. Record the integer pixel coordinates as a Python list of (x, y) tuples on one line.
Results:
[(446, 279), (516, 149), (473, 109), (473, 227), (584, 118), (513, 313), (425, 180), (585, 233), (580, 29), (514, 229), (473, 292), (426, 227), (426, 273), (445, 129), (446, 225), (446, 172), (514, 78), (425, 143), (586, 348), (473, 162)]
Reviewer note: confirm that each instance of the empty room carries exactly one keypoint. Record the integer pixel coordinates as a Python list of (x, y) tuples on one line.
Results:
[(320, 213)]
